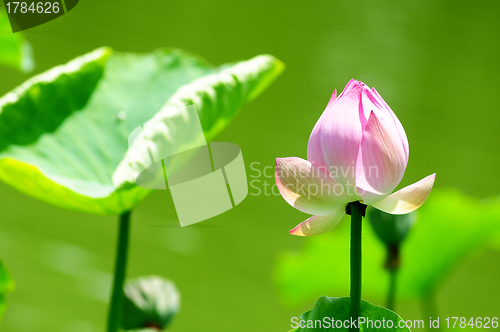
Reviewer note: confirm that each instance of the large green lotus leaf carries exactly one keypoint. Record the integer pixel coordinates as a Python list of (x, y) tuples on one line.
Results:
[(330, 311), (64, 134), (15, 51), (450, 227), (6, 285)]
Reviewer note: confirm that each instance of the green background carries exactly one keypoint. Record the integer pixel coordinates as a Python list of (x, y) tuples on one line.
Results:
[(434, 62)]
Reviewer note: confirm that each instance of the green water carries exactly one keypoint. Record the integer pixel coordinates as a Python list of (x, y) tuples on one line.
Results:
[(435, 63)]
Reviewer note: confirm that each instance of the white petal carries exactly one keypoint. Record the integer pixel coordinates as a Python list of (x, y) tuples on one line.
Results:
[(308, 188), (407, 199), (319, 224)]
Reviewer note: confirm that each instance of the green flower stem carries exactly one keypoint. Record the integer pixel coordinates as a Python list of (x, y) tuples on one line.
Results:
[(391, 295), (356, 220), (115, 309)]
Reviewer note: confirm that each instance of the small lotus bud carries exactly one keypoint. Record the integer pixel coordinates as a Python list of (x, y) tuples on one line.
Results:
[(149, 302), (391, 229)]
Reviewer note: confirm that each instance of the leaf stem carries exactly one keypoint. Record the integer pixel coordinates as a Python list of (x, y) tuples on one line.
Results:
[(115, 308), (392, 266), (391, 295), (356, 221)]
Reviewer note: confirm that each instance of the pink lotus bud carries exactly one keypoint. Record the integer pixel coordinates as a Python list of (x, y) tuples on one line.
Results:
[(358, 151)]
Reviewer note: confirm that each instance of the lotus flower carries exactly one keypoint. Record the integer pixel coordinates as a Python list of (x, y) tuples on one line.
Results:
[(358, 151)]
